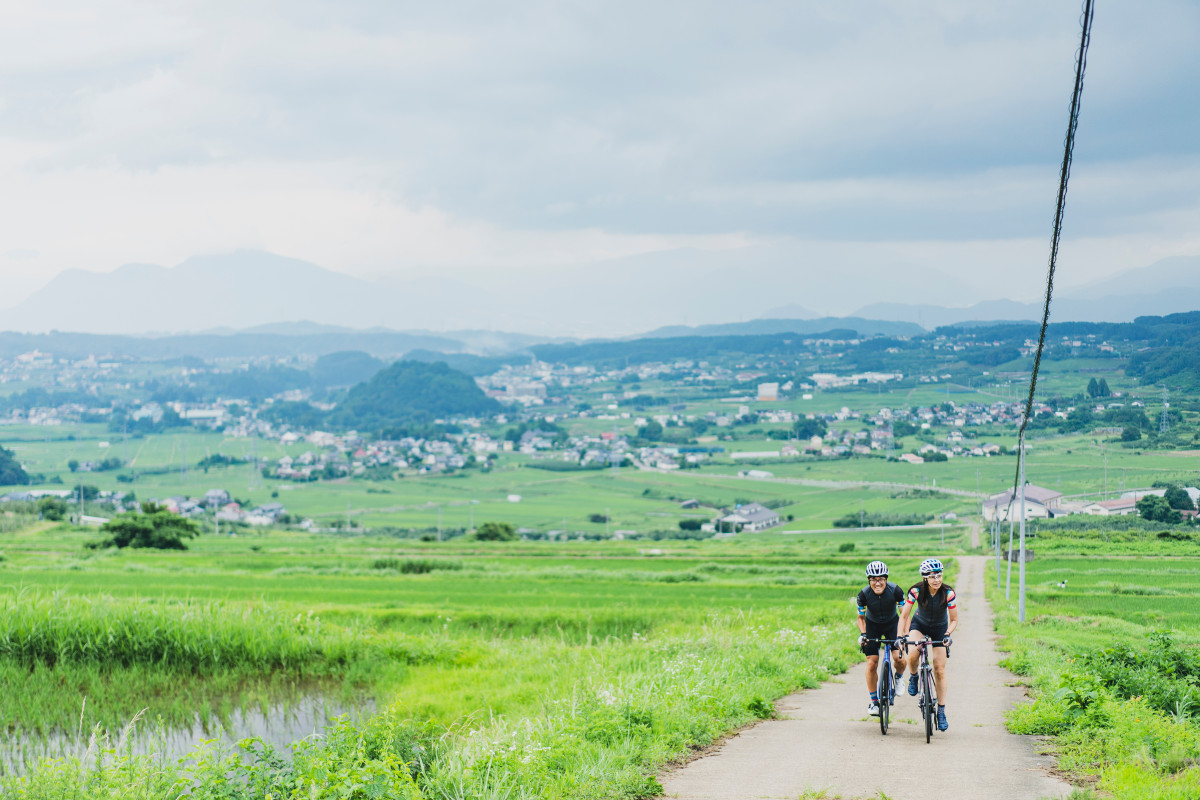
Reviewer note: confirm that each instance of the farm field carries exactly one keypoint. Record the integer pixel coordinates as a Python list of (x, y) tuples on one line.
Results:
[(558, 669), (1110, 649), (643, 501)]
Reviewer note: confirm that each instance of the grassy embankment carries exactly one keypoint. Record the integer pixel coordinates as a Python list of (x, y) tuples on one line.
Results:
[(1112, 657), (545, 670)]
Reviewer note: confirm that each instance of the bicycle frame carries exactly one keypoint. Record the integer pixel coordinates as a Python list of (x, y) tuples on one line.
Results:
[(885, 683), (927, 687)]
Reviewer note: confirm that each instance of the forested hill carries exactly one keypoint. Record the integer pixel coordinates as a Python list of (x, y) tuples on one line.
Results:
[(1163, 350), (806, 327), (1173, 359), (642, 351), (411, 393)]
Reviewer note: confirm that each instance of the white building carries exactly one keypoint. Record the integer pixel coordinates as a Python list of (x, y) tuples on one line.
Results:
[(1040, 502)]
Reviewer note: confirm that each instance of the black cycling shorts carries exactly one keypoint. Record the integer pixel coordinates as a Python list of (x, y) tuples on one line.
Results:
[(875, 630), (935, 631)]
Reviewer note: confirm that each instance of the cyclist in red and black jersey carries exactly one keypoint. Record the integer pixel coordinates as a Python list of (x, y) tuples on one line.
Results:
[(930, 610), (879, 605)]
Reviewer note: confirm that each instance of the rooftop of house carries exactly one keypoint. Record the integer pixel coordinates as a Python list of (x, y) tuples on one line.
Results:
[(1037, 494)]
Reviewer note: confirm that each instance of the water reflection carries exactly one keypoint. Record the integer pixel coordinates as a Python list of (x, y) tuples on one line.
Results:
[(278, 726)]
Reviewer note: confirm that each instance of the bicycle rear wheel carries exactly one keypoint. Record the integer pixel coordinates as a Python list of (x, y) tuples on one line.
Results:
[(927, 703)]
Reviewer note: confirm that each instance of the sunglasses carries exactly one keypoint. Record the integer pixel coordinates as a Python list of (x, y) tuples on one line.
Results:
[(877, 578), (934, 575)]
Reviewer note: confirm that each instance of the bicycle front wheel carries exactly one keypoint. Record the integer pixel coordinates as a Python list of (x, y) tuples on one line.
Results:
[(885, 689), (927, 703)]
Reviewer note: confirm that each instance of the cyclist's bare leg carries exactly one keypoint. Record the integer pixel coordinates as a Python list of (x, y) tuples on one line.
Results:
[(938, 659), (872, 672)]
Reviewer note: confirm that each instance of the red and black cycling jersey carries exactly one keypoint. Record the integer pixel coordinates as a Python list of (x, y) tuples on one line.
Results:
[(881, 608), (932, 607)]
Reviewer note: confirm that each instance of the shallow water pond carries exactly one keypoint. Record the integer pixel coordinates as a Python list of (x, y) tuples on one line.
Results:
[(278, 726)]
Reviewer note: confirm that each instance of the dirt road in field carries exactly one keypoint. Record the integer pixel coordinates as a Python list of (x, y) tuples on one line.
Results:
[(824, 740)]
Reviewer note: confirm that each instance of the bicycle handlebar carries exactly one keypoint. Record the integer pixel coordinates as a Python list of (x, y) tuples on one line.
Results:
[(903, 642), (864, 640), (945, 642)]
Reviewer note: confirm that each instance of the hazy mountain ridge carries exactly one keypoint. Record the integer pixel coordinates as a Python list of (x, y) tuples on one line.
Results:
[(217, 346), (250, 293), (863, 327)]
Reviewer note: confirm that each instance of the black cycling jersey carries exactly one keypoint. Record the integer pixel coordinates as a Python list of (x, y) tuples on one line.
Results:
[(934, 609), (881, 608)]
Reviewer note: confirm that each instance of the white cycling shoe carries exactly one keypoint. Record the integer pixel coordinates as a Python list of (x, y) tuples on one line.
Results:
[(873, 709)]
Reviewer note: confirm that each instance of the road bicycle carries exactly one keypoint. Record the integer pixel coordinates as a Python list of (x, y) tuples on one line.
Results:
[(926, 688), (886, 683)]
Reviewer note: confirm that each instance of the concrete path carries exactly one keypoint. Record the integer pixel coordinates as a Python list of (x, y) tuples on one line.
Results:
[(824, 740)]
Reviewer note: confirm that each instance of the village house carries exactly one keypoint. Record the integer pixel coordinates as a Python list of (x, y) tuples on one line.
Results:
[(750, 517), (1107, 508), (1040, 502)]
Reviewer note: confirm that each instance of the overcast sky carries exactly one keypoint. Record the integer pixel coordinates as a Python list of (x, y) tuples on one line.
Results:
[(490, 142)]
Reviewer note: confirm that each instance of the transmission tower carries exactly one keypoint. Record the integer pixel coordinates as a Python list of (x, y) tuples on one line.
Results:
[(1163, 423)]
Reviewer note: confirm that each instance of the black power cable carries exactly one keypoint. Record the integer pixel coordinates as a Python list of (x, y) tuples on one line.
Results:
[(1063, 175)]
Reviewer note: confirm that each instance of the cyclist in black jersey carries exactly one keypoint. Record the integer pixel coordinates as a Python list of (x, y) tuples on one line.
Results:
[(930, 609), (879, 605)]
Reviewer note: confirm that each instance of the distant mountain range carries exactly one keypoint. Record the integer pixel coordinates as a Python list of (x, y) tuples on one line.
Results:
[(863, 327), (252, 293), (1169, 286)]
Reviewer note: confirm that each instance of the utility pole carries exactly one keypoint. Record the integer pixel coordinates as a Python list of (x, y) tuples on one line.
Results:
[(1012, 522), (996, 543), (1021, 566)]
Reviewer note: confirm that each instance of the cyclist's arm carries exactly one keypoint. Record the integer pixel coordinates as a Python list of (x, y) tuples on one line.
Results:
[(861, 619), (905, 620), (952, 611)]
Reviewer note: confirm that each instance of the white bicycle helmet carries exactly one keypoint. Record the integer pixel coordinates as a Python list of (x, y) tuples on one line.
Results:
[(929, 566), (877, 569)]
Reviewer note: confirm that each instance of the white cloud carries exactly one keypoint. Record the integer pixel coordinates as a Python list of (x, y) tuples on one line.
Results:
[(464, 138), (94, 218)]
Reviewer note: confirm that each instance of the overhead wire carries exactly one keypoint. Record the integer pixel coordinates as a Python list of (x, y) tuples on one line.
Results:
[(1063, 176)]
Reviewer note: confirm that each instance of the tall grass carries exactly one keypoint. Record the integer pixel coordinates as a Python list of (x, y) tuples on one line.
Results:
[(1114, 668), (546, 671), (48, 629), (183, 660), (534, 718)]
